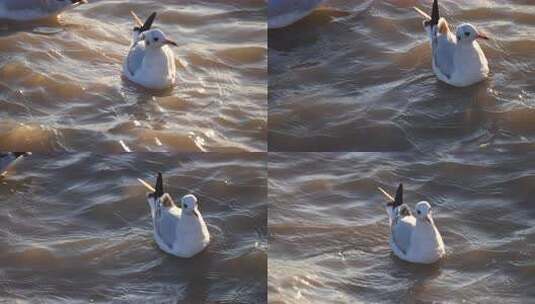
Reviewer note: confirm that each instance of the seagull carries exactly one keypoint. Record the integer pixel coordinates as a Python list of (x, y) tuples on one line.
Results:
[(457, 58), (282, 13), (28, 10), (178, 230), (414, 239), (8, 159), (150, 61)]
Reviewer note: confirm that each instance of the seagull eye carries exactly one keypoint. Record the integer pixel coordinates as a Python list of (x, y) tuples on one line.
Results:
[(186, 206), (419, 212), (466, 34), (155, 38)]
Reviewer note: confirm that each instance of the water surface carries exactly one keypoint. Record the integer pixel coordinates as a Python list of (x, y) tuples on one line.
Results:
[(356, 76), (61, 86), (329, 229), (76, 228)]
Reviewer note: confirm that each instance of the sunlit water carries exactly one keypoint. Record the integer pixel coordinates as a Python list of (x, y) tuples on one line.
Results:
[(329, 229), (76, 228), (61, 86), (356, 75)]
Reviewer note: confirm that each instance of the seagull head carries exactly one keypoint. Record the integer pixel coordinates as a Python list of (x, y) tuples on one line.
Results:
[(423, 212), (155, 38), (468, 33), (189, 204)]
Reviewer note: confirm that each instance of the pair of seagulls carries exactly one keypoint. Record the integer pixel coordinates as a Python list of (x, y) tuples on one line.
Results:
[(457, 57), (413, 238), (181, 231), (150, 62)]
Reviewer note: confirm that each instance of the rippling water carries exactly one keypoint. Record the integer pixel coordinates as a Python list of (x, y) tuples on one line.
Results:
[(356, 75), (61, 86), (77, 228), (329, 229)]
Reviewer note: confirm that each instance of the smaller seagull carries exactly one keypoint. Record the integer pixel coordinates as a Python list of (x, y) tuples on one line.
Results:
[(28, 10), (413, 239), (150, 61), (282, 13), (457, 58), (8, 159), (178, 230)]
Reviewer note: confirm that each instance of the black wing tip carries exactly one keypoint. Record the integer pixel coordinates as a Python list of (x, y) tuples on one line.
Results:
[(148, 23), (398, 201), (435, 16), (159, 186)]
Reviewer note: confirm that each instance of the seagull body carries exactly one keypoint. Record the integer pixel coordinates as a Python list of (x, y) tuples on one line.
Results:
[(414, 239), (150, 61), (457, 58), (8, 159), (27, 10), (180, 231), (282, 13)]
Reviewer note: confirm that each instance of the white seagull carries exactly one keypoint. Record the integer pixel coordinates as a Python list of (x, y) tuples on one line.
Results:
[(457, 58), (150, 61), (180, 231), (413, 239), (27, 10), (8, 159), (282, 13)]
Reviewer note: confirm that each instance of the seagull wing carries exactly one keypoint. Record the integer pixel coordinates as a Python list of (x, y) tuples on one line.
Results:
[(135, 57), (402, 227), (166, 227), (443, 42), (443, 52)]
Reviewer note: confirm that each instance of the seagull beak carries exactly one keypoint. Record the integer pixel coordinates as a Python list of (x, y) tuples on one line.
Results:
[(482, 36), (171, 42)]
